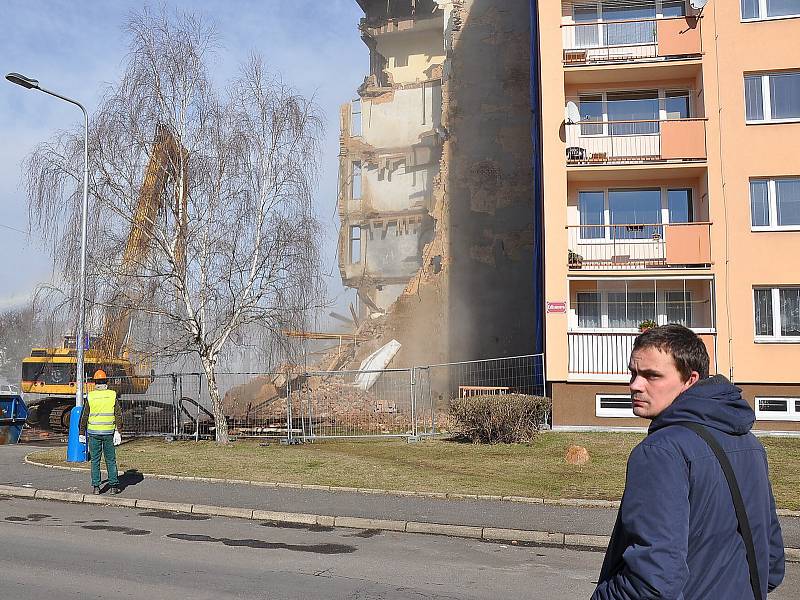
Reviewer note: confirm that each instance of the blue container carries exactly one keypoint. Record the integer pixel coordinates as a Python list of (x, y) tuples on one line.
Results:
[(13, 414), (76, 450)]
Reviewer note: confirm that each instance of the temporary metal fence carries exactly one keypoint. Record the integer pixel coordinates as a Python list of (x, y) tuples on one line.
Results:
[(308, 405)]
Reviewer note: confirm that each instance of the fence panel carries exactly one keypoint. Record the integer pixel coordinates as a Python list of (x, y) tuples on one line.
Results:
[(355, 403), (325, 404), (147, 409), (436, 385)]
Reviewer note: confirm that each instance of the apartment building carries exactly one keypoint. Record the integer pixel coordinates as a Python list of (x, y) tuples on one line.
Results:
[(436, 181), (390, 149), (671, 194)]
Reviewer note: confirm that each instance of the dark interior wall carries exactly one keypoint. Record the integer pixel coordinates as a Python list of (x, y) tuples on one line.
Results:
[(489, 183)]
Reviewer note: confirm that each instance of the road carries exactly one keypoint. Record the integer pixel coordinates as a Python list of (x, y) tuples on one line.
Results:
[(61, 551)]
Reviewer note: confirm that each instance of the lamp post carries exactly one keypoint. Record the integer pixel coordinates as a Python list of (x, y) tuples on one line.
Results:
[(76, 451)]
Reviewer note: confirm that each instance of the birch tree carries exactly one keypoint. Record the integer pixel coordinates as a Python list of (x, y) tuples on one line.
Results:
[(229, 253)]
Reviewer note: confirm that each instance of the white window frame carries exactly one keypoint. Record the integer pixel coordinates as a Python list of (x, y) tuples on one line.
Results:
[(662, 108), (356, 174), (772, 200), (659, 5), (776, 337), (358, 115), (601, 411), (762, 14), (606, 224), (660, 298), (352, 244), (766, 98), (791, 414)]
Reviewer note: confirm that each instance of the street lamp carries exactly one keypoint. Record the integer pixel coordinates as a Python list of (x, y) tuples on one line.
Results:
[(76, 451)]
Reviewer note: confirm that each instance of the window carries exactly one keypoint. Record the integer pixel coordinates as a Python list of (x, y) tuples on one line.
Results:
[(674, 8), (773, 97), (623, 305), (355, 244), (777, 409), (632, 207), (769, 9), (586, 36), (626, 310), (589, 310), (633, 106), (638, 31), (636, 213), (777, 314), (679, 204), (355, 189), (631, 112), (355, 117), (678, 307), (591, 110), (676, 103), (613, 405), (775, 203), (592, 212)]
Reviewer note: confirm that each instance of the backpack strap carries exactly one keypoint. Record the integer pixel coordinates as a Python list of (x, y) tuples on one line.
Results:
[(738, 503)]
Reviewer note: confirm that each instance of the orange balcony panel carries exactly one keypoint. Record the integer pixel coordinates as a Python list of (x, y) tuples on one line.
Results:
[(679, 37), (710, 341), (683, 139), (688, 244)]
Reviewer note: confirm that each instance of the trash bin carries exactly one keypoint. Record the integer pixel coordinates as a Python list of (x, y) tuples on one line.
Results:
[(13, 414)]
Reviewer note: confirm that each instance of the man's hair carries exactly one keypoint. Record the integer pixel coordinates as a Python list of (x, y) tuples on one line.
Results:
[(687, 350)]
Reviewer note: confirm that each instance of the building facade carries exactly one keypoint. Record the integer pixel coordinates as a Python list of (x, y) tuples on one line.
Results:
[(671, 194), (435, 186)]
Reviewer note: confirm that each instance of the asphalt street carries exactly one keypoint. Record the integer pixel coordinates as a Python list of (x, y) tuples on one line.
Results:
[(56, 550), (60, 551)]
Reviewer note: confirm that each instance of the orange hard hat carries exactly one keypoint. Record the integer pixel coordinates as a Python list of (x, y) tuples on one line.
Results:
[(100, 374)]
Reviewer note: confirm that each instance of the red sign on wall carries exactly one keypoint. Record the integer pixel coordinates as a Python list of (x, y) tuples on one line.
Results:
[(556, 307)]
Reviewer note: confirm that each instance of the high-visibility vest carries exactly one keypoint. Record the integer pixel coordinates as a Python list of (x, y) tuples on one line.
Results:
[(101, 412)]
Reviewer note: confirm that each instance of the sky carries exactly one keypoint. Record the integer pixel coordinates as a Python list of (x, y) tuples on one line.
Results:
[(78, 47)]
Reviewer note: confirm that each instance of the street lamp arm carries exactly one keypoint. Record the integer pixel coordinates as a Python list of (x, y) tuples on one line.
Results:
[(70, 100)]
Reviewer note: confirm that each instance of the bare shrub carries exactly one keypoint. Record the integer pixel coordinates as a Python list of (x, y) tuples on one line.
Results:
[(506, 418)]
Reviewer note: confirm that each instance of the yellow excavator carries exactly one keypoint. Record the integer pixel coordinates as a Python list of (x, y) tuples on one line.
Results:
[(50, 373)]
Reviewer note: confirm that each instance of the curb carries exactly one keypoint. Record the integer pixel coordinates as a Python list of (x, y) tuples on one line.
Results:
[(574, 502), (572, 541)]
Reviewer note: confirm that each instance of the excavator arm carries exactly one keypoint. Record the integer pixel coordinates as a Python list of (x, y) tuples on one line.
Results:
[(168, 161)]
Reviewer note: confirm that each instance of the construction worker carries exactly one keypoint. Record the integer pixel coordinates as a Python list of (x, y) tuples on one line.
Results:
[(100, 422)]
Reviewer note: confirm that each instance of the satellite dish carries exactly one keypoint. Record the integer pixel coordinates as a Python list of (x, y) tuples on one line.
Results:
[(572, 113), (698, 4)]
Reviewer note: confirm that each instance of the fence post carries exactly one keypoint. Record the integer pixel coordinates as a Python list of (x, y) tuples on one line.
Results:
[(197, 415), (306, 376), (288, 408), (413, 405), (175, 404), (433, 406)]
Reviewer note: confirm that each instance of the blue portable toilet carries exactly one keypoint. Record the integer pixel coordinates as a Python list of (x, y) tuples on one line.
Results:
[(13, 414)]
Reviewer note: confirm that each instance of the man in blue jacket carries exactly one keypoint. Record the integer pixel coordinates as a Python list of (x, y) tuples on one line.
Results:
[(676, 535)]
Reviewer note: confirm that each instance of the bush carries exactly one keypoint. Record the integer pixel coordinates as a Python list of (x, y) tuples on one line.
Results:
[(506, 418)]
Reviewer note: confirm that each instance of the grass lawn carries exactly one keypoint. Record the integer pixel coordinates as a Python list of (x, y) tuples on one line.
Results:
[(536, 470)]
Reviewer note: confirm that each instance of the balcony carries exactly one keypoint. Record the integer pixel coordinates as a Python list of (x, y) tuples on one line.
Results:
[(639, 246), (635, 142), (604, 356), (630, 41)]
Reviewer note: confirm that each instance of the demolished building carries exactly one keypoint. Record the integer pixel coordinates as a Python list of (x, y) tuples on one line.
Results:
[(435, 194)]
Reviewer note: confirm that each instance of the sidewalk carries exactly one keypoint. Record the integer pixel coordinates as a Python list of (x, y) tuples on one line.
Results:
[(483, 514)]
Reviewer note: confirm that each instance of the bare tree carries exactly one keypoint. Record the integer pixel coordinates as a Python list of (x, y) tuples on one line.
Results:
[(201, 228)]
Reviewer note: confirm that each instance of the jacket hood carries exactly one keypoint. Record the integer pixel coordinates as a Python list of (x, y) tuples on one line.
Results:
[(714, 402)]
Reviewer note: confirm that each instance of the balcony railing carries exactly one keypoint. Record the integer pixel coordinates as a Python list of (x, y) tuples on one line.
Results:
[(632, 40), (639, 246), (606, 354), (595, 142)]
